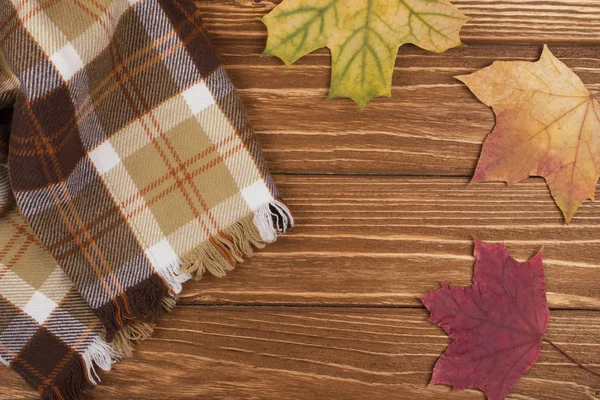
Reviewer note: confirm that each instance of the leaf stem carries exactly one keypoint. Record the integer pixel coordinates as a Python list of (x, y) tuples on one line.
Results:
[(564, 353)]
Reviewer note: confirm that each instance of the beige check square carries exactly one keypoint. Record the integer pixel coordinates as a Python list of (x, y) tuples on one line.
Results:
[(74, 17), (14, 288), (22, 255), (38, 303), (230, 146)]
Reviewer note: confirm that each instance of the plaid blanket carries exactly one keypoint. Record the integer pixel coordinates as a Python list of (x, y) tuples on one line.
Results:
[(134, 168), (48, 332)]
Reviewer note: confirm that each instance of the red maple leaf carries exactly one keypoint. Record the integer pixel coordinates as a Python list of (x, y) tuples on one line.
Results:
[(497, 324)]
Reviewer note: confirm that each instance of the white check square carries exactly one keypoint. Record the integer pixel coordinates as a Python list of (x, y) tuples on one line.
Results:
[(162, 255), (256, 195), (198, 97), (67, 61), (40, 307), (104, 157)]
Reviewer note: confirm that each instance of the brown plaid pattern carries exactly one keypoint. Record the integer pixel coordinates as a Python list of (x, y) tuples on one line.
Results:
[(47, 332), (131, 157)]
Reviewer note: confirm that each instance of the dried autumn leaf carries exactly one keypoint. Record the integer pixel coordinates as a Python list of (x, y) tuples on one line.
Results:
[(496, 325), (363, 35), (547, 124)]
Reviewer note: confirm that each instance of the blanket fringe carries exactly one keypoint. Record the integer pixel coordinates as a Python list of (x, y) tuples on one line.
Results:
[(217, 256), (236, 243), (129, 336), (126, 339), (100, 354), (143, 302), (73, 383), (80, 372)]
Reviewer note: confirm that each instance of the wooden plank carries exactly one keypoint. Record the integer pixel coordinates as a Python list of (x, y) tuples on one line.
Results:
[(432, 124), (324, 353), (384, 241), (300, 131), (493, 20)]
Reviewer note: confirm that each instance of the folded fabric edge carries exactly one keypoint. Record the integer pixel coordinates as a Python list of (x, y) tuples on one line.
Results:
[(217, 256)]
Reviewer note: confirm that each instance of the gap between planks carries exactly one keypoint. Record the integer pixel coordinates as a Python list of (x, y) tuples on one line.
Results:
[(340, 306)]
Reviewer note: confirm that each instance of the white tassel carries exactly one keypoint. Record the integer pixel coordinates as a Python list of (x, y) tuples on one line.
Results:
[(263, 219), (264, 224), (98, 354), (284, 214), (168, 266), (173, 276)]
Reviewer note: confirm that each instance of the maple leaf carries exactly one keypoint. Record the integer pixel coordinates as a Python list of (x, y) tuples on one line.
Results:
[(497, 324), (363, 35), (547, 124)]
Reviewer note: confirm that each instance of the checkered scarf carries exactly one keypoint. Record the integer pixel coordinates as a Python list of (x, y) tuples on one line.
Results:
[(133, 168)]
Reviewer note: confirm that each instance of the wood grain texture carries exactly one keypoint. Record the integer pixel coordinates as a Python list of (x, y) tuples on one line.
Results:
[(331, 310), (387, 240), (432, 124), (493, 20), (322, 353)]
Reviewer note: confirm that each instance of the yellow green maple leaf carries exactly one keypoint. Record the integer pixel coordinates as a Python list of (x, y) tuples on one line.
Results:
[(363, 35), (547, 124)]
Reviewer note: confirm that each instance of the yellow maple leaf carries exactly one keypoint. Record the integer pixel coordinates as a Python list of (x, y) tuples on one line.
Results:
[(547, 124), (363, 35)]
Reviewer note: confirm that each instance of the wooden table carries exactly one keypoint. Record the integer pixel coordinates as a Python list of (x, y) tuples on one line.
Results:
[(384, 214)]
